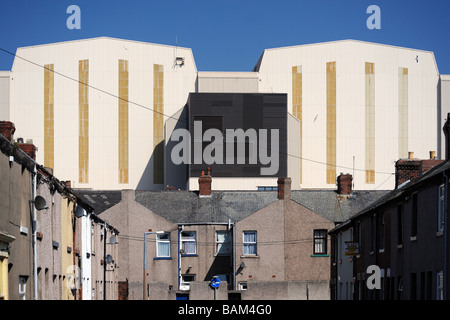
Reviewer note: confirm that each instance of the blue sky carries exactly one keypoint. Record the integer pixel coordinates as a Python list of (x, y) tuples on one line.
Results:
[(229, 35)]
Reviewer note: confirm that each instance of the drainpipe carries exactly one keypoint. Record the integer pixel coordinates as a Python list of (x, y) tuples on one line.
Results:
[(445, 236), (34, 235), (104, 262), (180, 229)]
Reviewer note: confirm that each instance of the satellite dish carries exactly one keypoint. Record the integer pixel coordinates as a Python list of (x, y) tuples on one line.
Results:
[(109, 258), (112, 240), (242, 266), (79, 211), (40, 203)]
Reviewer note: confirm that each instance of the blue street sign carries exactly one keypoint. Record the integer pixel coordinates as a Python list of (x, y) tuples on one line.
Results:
[(215, 282)]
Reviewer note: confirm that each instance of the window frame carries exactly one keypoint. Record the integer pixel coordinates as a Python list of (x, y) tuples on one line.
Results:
[(323, 244), (162, 241), (184, 240), (441, 208), (249, 243), (226, 244)]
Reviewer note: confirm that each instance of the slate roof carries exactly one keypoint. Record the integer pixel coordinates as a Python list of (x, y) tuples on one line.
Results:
[(182, 206), (99, 200), (399, 192), (330, 205), (188, 207)]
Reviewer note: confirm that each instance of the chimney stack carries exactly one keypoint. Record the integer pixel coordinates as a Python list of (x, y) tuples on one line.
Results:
[(29, 149), (7, 130), (204, 183), (344, 184), (410, 169), (284, 188)]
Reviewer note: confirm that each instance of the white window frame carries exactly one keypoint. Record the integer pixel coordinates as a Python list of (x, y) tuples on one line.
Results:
[(23, 287), (225, 244), (186, 284), (185, 240), (249, 243), (162, 241)]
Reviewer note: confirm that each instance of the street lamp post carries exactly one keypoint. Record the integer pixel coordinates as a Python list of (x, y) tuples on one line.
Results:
[(145, 260)]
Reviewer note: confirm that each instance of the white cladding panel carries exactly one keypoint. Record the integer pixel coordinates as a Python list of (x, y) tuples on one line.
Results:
[(4, 95), (27, 111), (275, 69)]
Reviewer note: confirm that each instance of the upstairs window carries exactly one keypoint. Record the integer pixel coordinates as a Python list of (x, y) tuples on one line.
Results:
[(163, 245), (441, 208), (188, 242), (250, 243), (320, 241), (223, 243)]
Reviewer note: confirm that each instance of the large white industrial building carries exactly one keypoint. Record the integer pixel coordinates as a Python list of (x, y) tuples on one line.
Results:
[(102, 110)]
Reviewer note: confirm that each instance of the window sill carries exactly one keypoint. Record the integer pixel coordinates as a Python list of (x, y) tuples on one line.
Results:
[(381, 251), (440, 233), (162, 258), (319, 255), (399, 246), (413, 238), (251, 256), (189, 255)]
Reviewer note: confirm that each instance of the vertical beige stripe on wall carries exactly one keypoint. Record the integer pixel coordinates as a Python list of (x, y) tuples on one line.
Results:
[(331, 122), (49, 122), (123, 121), (158, 124), (402, 112), (83, 133), (297, 105), (370, 123)]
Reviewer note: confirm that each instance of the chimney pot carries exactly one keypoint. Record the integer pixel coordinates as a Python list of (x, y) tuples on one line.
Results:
[(410, 155), (432, 155)]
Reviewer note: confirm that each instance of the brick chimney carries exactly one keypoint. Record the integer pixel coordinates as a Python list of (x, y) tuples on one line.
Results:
[(284, 188), (7, 129), (29, 149), (344, 184), (411, 168), (204, 183)]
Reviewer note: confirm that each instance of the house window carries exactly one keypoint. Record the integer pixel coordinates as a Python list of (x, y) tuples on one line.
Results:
[(250, 243), (399, 225), (320, 241), (441, 208), (163, 245), (223, 243), (186, 280), (440, 285), (188, 242), (373, 233), (381, 241), (242, 285), (23, 287), (414, 216)]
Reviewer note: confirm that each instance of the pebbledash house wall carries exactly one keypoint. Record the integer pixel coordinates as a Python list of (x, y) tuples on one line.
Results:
[(284, 267)]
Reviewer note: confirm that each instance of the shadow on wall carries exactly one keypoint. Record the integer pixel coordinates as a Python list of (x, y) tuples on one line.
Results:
[(174, 175), (220, 265)]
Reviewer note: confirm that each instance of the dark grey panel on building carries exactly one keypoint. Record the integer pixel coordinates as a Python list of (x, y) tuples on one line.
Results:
[(245, 111)]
